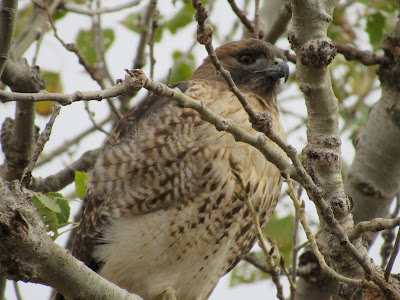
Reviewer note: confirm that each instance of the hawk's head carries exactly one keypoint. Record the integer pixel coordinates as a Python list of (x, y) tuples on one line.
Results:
[(254, 65)]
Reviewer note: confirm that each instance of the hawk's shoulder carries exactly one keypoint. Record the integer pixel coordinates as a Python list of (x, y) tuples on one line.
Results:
[(146, 111)]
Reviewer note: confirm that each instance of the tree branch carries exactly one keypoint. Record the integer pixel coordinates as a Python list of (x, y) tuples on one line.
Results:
[(29, 254), (8, 11), (374, 225), (220, 123), (128, 85), (366, 57), (64, 177), (79, 9), (42, 140)]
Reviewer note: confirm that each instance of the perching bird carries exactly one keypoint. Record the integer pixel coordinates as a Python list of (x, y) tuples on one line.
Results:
[(160, 212)]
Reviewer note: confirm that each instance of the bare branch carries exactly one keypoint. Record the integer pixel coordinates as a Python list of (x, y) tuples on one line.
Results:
[(313, 243), (220, 123), (389, 236), (280, 25), (43, 138), (140, 59), (392, 259), (79, 9), (373, 225), (154, 25), (128, 85), (366, 57), (26, 236), (256, 20), (242, 16), (255, 261), (64, 177), (8, 11), (91, 118), (294, 245), (46, 157), (244, 195)]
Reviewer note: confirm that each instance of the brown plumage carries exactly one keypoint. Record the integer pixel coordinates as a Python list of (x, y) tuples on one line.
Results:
[(160, 211)]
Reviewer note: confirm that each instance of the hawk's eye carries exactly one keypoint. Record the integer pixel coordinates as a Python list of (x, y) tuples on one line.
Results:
[(247, 59)]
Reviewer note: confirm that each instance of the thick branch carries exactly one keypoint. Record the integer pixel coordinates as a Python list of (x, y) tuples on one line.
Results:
[(366, 57), (374, 176), (28, 254), (8, 11), (322, 157), (374, 225)]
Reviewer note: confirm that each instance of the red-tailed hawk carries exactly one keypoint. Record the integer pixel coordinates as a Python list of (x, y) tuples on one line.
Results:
[(161, 211)]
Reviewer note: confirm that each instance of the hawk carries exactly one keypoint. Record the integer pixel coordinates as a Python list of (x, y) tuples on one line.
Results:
[(160, 211)]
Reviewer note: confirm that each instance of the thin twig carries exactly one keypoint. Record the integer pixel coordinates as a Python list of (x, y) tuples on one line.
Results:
[(374, 225), (38, 44), (393, 256), (256, 20), (302, 176), (178, 62), (285, 270), (69, 6), (43, 138), (222, 124), (294, 244), (99, 46), (128, 85), (92, 71), (313, 243), (302, 245), (154, 25), (61, 179), (244, 195), (140, 59), (46, 157), (366, 57), (17, 291), (258, 263), (242, 16), (91, 118), (389, 236)]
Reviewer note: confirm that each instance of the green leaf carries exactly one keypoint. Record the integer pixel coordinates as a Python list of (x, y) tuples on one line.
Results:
[(63, 216), (54, 211), (63, 203), (184, 70), (53, 80), (375, 26), (59, 14), (281, 229), (49, 218), (181, 19), (81, 184), (133, 21), (46, 201), (85, 43)]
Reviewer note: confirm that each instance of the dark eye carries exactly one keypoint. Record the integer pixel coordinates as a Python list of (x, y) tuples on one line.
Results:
[(247, 59)]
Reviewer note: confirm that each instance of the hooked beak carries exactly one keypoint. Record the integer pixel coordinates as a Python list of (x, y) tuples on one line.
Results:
[(279, 70)]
